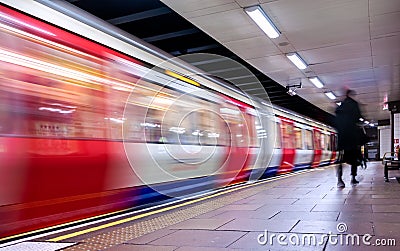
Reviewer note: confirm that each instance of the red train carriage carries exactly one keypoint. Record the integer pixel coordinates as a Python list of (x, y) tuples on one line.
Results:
[(87, 129)]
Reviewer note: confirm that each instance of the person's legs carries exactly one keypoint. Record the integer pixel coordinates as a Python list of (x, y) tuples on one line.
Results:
[(354, 173), (339, 174), (339, 171), (350, 157), (353, 162)]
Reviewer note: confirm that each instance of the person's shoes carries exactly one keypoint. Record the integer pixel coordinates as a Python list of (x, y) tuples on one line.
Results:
[(354, 181), (340, 184)]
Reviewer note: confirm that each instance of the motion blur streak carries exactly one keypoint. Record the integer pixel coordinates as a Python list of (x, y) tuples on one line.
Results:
[(88, 129)]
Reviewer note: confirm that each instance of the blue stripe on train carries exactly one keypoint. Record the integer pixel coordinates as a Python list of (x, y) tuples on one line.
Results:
[(270, 171), (325, 163), (172, 190), (299, 167)]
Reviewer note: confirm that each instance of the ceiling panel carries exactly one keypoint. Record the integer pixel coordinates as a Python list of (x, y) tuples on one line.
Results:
[(387, 47), (342, 65), (313, 24), (233, 25), (247, 3), (354, 43), (254, 47), (385, 24), (360, 49), (276, 64), (352, 77), (271, 63), (379, 7), (371, 90), (194, 5), (212, 10)]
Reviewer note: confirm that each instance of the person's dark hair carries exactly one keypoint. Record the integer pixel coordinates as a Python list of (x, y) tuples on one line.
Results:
[(350, 92)]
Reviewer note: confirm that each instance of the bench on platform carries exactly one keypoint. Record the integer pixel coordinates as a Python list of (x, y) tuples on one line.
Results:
[(390, 161)]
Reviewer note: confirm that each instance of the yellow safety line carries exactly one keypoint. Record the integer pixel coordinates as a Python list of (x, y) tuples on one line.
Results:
[(67, 236)]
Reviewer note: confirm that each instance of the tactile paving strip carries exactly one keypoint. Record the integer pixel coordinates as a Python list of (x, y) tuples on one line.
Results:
[(137, 229)]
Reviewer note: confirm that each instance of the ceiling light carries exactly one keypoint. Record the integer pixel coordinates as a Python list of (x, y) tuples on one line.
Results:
[(339, 103), (263, 21), (316, 82), (297, 60), (330, 95)]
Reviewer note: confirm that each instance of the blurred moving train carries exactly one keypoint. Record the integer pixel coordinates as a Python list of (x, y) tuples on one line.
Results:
[(93, 122)]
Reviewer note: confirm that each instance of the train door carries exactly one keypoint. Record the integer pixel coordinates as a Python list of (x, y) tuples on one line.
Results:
[(326, 148), (309, 145), (317, 148), (288, 146), (333, 148), (264, 140), (303, 154), (237, 155)]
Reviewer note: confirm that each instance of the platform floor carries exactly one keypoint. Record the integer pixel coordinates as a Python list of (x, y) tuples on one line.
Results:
[(304, 211)]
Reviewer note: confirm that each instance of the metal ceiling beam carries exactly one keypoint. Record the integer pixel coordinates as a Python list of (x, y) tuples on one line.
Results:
[(171, 35), (226, 69), (139, 16), (210, 61), (194, 49)]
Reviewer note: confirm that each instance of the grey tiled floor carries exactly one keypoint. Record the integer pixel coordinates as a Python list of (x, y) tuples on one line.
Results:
[(302, 212), (304, 206)]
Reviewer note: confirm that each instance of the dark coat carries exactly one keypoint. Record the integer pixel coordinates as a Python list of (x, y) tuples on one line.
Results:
[(347, 117)]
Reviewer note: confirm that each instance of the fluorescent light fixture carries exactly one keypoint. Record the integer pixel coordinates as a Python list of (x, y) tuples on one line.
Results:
[(316, 82), (339, 103), (263, 21), (297, 60), (330, 95), (366, 122)]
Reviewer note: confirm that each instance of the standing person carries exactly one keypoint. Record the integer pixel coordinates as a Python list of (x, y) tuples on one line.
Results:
[(363, 159), (347, 117), (364, 139)]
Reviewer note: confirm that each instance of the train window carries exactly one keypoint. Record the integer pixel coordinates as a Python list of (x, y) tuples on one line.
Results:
[(322, 139), (334, 142), (308, 139), (260, 131), (250, 122), (278, 138), (236, 125), (317, 140), (249, 131), (175, 118), (51, 92), (288, 135), (298, 138), (328, 143), (157, 114)]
